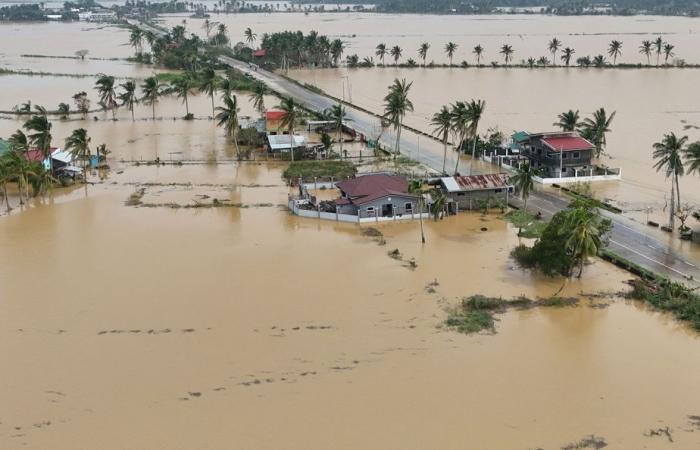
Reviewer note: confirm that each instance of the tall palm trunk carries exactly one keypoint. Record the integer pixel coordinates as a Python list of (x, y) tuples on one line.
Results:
[(672, 215), (458, 149), (340, 138), (397, 148), (7, 199), (133, 118), (471, 165), (154, 110), (187, 106), (291, 143), (444, 155), (421, 206), (213, 113)]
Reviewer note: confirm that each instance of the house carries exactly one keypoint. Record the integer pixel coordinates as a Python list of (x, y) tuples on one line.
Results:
[(557, 154), (376, 195), (282, 143), (259, 54), (273, 122), (469, 192)]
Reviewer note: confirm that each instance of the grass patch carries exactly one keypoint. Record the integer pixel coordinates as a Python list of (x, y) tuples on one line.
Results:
[(469, 322), (681, 301), (307, 170), (528, 225)]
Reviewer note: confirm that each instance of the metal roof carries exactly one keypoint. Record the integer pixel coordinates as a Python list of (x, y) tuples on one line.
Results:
[(475, 182), (567, 143), (283, 142)]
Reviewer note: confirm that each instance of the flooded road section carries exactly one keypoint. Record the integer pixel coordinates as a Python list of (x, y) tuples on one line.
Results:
[(152, 327)]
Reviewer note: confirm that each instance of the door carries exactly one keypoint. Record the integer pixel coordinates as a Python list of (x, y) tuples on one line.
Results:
[(388, 210)]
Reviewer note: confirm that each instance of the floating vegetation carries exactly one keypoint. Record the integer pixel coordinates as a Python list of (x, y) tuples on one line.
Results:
[(680, 300), (592, 441), (135, 198)]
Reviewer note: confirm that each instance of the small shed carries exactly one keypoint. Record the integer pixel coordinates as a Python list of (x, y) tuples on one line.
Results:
[(469, 192), (283, 142)]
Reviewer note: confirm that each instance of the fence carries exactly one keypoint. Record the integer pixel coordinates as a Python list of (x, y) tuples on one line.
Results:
[(318, 214), (608, 174)]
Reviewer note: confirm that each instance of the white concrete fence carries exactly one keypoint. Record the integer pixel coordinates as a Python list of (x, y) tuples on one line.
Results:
[(318, 214)]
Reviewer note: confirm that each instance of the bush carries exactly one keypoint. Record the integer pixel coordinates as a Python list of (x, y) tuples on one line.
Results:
[(310, 169)]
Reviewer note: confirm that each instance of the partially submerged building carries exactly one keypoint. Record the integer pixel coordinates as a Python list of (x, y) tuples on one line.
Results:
[(283, 142), (558, 154), (376, 195), (476, 191)]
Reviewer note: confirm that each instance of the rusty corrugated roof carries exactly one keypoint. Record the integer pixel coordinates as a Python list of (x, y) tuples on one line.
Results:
[(475, 182)]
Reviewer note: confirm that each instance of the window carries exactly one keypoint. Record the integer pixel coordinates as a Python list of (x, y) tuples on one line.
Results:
[(408, 207), (498, 191), (563, 170), (370, 210), (577, 155), (565, 156)]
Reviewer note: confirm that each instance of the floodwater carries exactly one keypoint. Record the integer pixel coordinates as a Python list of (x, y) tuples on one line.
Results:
[(163, 327)]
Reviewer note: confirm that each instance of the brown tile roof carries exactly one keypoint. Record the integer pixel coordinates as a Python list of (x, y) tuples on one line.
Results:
[(372, 184)]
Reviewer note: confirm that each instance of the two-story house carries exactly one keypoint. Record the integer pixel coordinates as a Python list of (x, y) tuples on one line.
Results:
[(558, 154)]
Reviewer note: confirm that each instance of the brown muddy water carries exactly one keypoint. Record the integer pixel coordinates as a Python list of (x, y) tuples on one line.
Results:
[(207, 328)]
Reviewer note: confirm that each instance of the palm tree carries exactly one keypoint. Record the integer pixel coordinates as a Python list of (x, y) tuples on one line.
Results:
[(337, 116), (460, 126), (337, 48), (553, 47), (225, 86), (507, 52), (659, 47), (228, 118), (668, 52), (292, 112), (645, 49), (19, 170), (595, 128), (183, 87), (531, 62), (478, 51), (78, 144), (250, 37), (6, 176), (475, 109), (599, 61), (523, 180), (416, 188), (396, 53), (208, 82), (257, 96), (105, 89), (128, 97), (208, 25), (152, 90), (396, 105), (585, 238), (543, 61), (423, 51), (668, 155), (615, 50), (442, 121), (41, 180), (40, 132), (568, 121), (136, 39), (566, 55), (19, 142), (450, 49), (692, 157), (381, 52)]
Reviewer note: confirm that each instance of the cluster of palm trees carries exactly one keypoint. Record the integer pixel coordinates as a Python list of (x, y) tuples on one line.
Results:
[(295, 48), (676, 157), (461, 121), (594, 128)]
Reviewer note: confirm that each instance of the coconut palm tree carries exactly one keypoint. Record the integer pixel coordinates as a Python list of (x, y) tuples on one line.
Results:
[(19, 170), (250, 37), (553, 47), (450, 49), (668, 52), (442, 121), (40, 132), (291, 116), (659, 47), (566, 55), (531, 62), (599, 61), (183, 86), (337, 48), (692, 157), (337, 116), (381, 52), (615, 50), (19, 142), (594, 129), (523, 180), (585, 239), (396, 53), (478, 51), (208, 26), (208, 82), (106, 92), (128, 96), (396, 105), (225, 86), (460, 126), (568, 121), (41, 180), (645, 49), (475, 110), (423, 51), (668, 155), (6, 176), (228, 118), (78, 144), (257, 96), (416, 188), (543, 61), (507, 52), (136, 39), (152, 91)]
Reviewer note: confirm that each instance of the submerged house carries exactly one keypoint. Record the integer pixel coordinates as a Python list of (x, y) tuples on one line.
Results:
[(470, 192), (557, 154), (282, 143), (376, 195)]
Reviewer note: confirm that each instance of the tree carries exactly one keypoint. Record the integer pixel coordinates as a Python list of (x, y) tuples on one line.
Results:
[(208, 82), (19, 142), (381, 52), (152, 91), (594, 129), (460, 125), (40, 132), (615, 50), (396, 54), (668, 155), (396, 105), (659, 47), (338, 116), (228, 118), (566, 55), (553, 47), (136, 39), (291, 115), (257, 96), (416, 188), (78, 144), (450, 49), (442, 123), (183, 86), (599, 61), (507, 52), (478, 51), (531, 62), (128, 96), (475, 109), (81, 54), (668, 52), (337, 48), (568, 121), (19, 169), (423, 51), (40, 179), (208, 26), (82, 103), (692, 157), (645, 49), (523, 180), (105, 89), (250, 37), (64, 110), (585, 237), (543, 61)]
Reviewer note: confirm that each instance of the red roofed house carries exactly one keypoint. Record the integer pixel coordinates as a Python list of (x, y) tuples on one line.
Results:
[(259, 53), (558, 154), (273, 122), (376, 195)]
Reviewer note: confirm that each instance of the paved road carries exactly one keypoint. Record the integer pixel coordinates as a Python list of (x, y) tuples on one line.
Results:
[(627, 238)]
